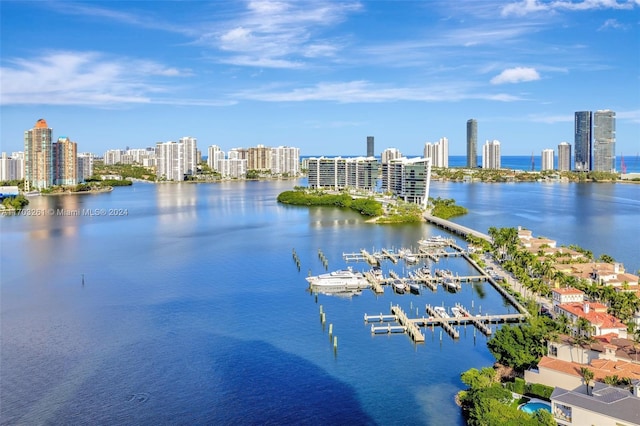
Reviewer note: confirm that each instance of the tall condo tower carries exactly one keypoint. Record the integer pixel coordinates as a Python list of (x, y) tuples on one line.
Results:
[(370, 150), (582, 141), (472, 143), (491, 155), (38, 156), (604, 141), (564, 156), (547, 159)]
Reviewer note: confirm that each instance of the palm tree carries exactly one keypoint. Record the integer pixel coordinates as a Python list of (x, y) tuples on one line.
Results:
[(587, 376)]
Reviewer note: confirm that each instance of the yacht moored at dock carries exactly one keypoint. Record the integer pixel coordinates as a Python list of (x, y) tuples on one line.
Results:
[(343, 280)]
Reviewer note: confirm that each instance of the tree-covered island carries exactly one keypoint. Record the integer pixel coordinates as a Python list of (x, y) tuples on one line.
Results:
[(380, 209)]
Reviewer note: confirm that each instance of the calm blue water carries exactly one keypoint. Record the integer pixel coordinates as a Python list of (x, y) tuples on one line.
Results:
[(523, 162), (193, 311)]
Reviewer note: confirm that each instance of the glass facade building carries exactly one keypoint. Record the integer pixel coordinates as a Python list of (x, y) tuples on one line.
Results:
[(582, 141)]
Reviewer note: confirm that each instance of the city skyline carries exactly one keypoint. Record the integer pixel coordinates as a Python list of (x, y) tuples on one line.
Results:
[(318, 75)]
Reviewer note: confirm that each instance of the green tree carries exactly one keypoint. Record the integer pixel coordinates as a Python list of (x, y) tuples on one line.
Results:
[(587, 376)]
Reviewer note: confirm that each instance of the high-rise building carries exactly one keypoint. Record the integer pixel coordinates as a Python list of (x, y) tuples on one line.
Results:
[(65, 154), (604, 141), (564, 156), (472, 143), (582, 141), (285, 160), (370, 147), (547, 159), (113, 156), (170, 161), (38, 156), (190, 155), (409, 179), (259, 158), (339, 173), (438, 153), (85, 166), (386, 157), (214, 156), (12, 167), (491, 155)]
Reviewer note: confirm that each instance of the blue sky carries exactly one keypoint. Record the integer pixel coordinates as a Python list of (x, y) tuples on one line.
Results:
[(319, 75)]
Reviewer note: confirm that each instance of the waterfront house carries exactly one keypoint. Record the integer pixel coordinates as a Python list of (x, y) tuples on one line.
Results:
[(595, 313), (561, 296), (605, 356), (604, 405)]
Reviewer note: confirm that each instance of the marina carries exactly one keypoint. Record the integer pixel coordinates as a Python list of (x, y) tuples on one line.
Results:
[(438, 316)]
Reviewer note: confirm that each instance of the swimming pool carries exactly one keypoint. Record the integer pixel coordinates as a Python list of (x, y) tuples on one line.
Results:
[(532, 407)]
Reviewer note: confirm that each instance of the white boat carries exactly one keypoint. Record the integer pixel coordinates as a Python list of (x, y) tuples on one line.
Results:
[(414, 287), (456, 312), (377, 272), (410, 257), (441, 312), (399, 287), (435, 241), (451, 284), (338, 281)]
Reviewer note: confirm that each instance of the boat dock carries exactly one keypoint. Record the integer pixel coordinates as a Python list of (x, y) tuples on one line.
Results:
[(375, 284), (390, 255), (444, 324), (412, 328), (476, 322)]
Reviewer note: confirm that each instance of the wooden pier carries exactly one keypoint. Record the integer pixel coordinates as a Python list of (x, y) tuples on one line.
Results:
[(476, 322), (412, 328), (390, 255), (375, 284), (442, 322)]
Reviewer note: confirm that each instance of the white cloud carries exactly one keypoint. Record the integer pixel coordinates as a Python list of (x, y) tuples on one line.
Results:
[(279, 34), (516, 75), (613, 24), (361, 91), (82, 78), (525, 7)]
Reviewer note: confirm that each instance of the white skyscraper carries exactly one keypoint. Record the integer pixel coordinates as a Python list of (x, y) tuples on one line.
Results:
[(438, 152), (85, 165), (491, 155), (285, 160), (190, 154), (170, 161), (214, 156), (547, 159)]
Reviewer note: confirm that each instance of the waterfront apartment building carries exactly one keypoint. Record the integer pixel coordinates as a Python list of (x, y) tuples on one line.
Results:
[(259, 158), (38, 156), (472, 143), (232, 168), (438, 152), (65, 162), (547, 159), (491, 155), (340, 173), (564, 157), (214, 155), (386, 157), (370, 147), (409, 179), (582, 141), (191, 157), (170, 161), (285, 160), (604, 141), (85, 166), (11, 167), (112, 156)]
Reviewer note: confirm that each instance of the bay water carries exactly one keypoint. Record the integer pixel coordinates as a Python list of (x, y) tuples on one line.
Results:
[(185, 305)]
